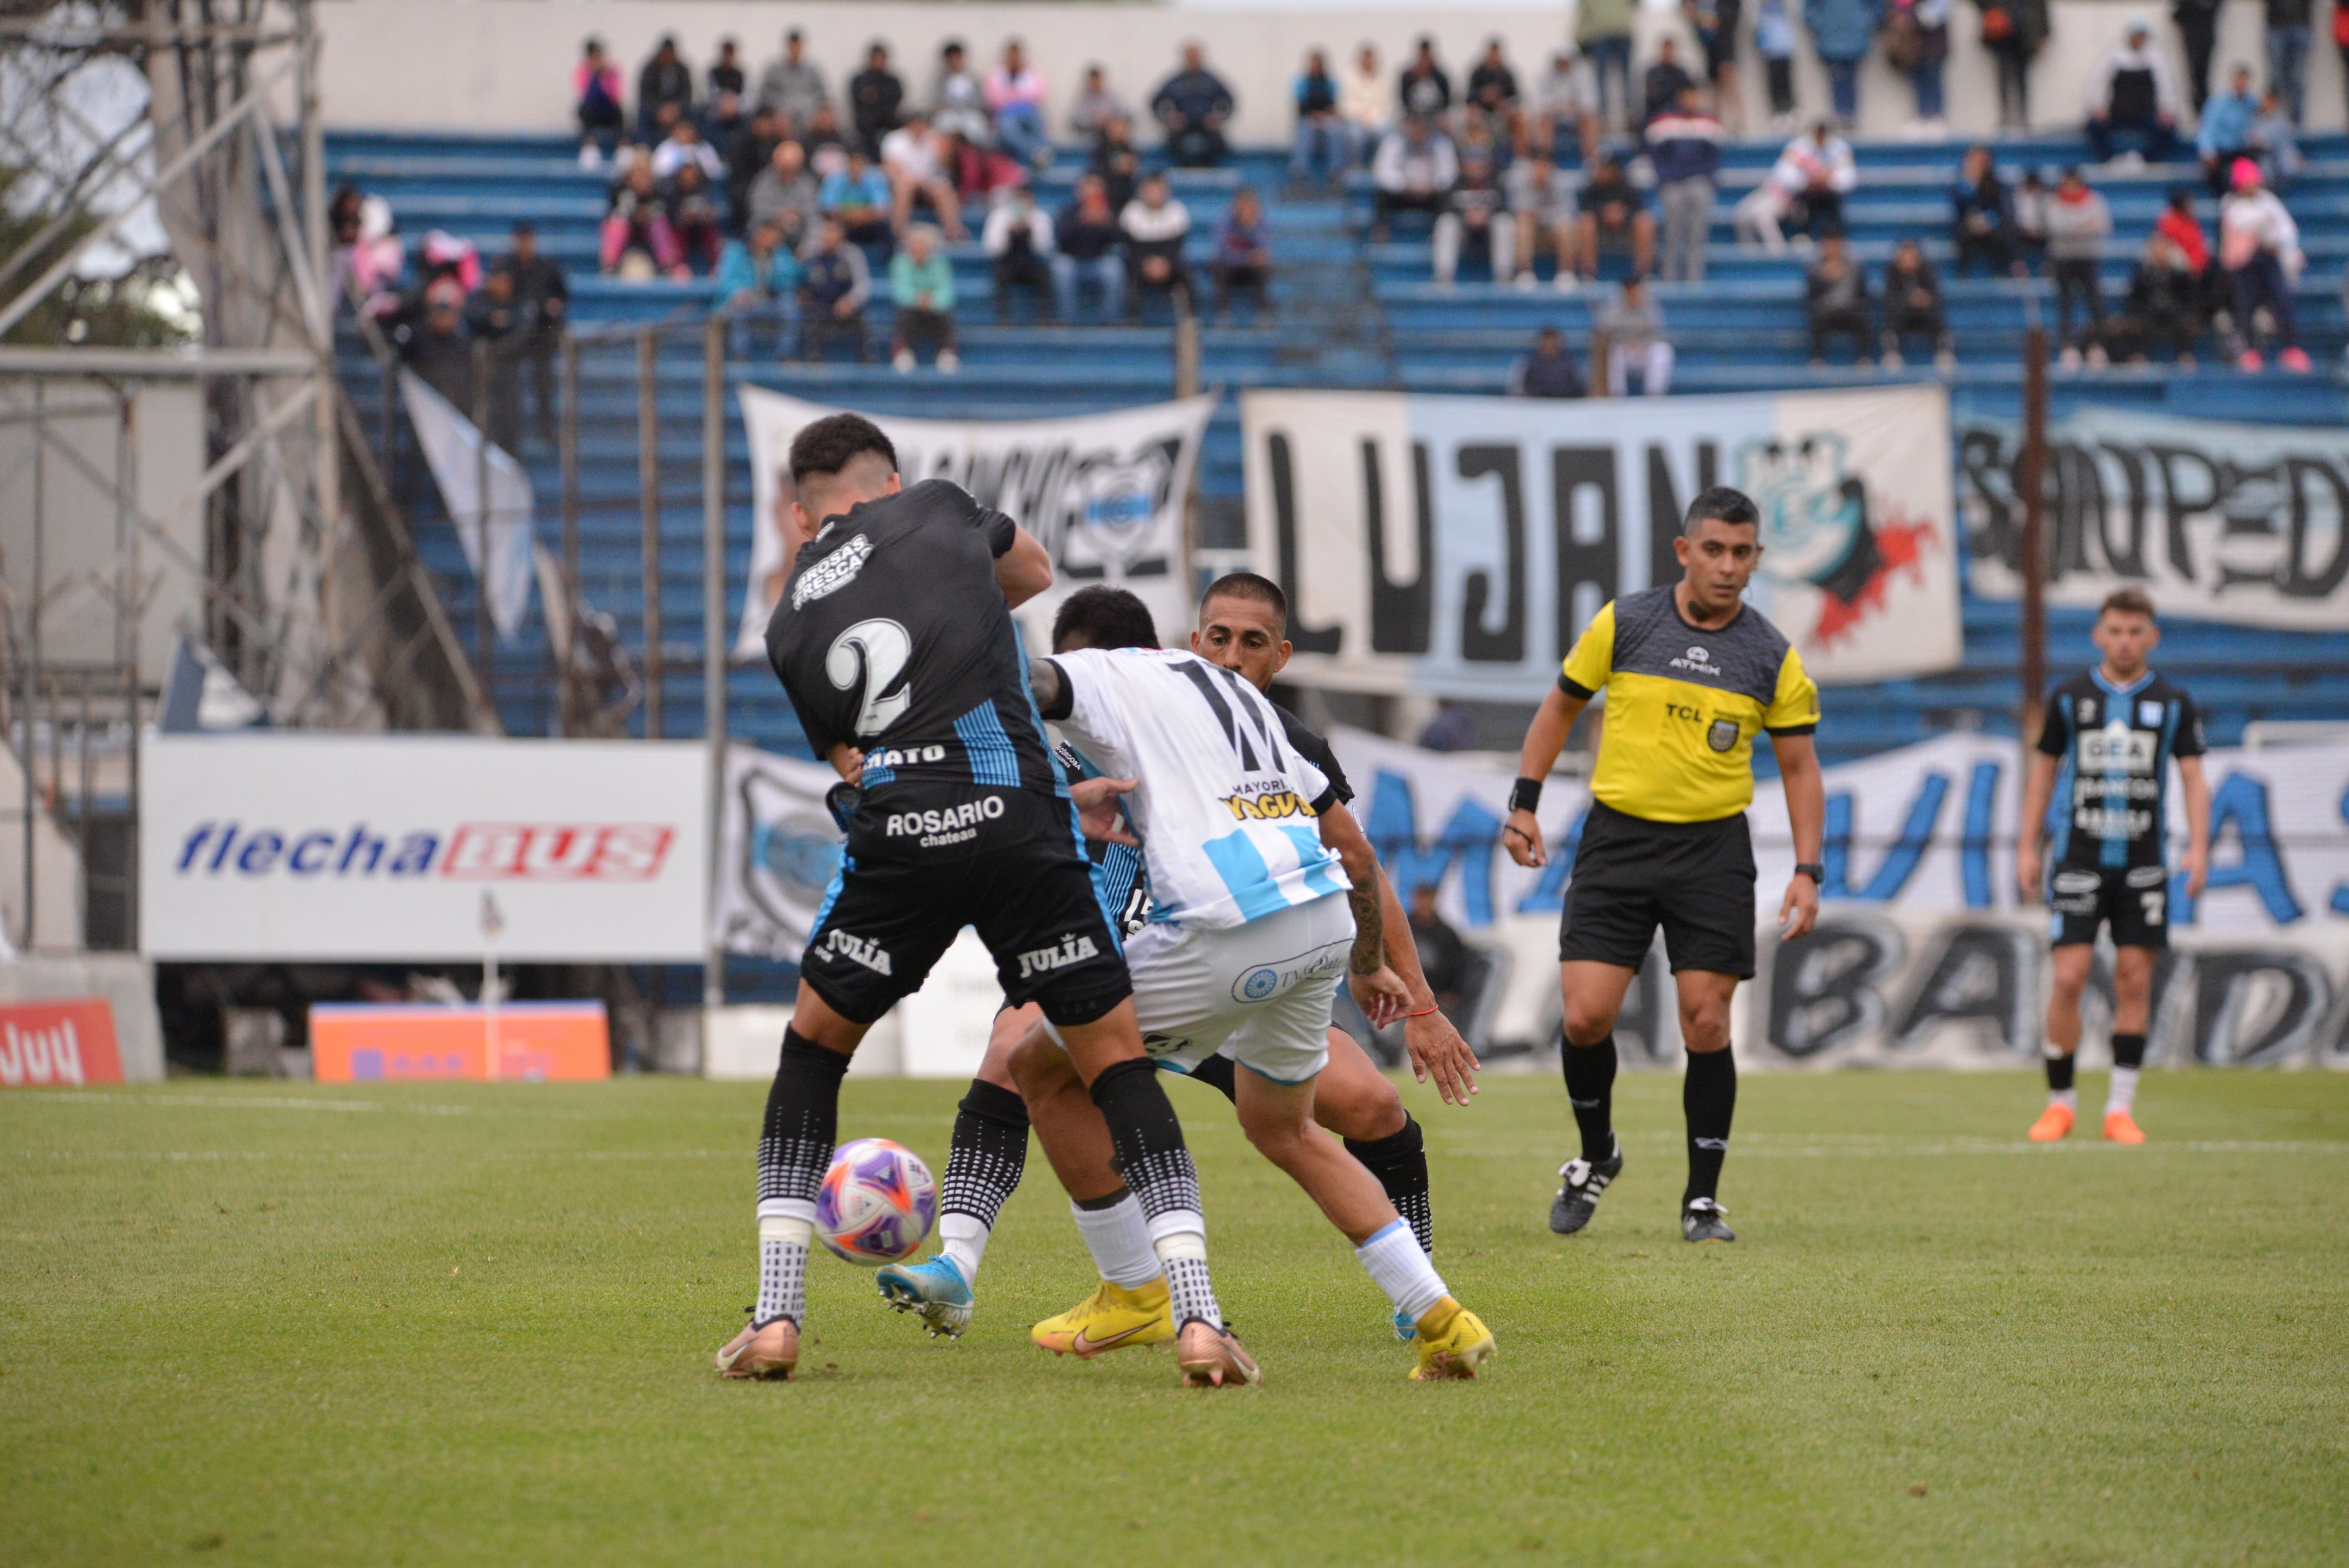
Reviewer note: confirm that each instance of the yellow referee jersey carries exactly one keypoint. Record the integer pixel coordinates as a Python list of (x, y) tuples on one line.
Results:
[(1684, 705)]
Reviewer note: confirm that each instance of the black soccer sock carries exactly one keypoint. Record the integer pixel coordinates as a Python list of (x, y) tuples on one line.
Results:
[(2128, 1050), (1152, 1157), (1399, 1162), (988, 1155), (1708, 1099), (1591, 1090), (2059, 1072), (802, 1123)]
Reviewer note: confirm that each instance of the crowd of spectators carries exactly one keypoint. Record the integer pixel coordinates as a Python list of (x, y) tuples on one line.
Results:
[(800, 203)]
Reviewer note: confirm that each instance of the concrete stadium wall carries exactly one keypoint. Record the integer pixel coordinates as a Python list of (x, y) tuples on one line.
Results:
[(459, 65)]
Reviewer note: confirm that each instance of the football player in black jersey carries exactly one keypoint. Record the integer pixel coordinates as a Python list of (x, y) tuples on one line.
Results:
[(2102, 759), (894, 640)]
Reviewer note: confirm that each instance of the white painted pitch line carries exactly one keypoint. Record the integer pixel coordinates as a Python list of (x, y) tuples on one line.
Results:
[(1969, 1147)]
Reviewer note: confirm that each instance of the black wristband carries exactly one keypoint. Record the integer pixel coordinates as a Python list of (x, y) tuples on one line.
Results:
[(1813, 870), (1525, 795)]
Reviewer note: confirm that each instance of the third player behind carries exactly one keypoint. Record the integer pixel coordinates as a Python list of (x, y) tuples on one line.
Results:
[(2102, 758), (1692, 673)]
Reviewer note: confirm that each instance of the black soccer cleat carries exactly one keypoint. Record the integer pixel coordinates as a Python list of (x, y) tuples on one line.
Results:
[(1701, 1220), (1577, 1199)]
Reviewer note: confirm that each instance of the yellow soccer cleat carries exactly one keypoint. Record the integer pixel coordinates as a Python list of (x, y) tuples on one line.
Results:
[(2055, 1125), (1452, 1342), (2121, 1127), (1111, 1318)]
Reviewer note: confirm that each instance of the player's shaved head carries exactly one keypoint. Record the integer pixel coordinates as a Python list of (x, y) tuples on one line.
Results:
[(836, 463), (1102, 616), (1251, 588)]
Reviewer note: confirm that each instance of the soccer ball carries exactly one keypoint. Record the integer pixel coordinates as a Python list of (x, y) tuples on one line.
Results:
[(876, 1203)]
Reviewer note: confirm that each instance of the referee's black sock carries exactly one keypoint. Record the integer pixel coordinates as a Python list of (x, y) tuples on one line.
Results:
[(1591, 1090), (1399, 1162), (1708, 1099)]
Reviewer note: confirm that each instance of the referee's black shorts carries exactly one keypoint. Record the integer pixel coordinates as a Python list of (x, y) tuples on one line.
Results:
[(1693, 878)]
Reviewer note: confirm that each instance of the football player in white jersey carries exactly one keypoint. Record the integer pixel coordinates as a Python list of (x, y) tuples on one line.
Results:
[(1250, 931)]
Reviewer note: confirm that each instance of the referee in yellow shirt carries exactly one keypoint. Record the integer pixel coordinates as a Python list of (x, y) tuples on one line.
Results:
[(1691, 675)]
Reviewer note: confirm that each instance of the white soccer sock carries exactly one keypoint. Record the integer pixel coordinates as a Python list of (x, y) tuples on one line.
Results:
[(1179, 1237), (786, 1227), (2067, 1098), (1119, 1239), (963, 1237), (2122, 1095), (1397, 1266)]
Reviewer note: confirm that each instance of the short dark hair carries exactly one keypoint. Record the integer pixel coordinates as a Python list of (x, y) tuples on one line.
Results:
[(835, 441), (1103, 617), (1249, 586), (1721, 505), (525, 227), (2129, 601)]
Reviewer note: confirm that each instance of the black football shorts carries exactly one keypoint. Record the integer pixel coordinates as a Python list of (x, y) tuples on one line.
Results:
[(2134, 899), (1695, 879), (920, 865)]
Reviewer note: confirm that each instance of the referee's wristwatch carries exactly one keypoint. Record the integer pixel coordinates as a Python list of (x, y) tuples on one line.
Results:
[(1813, 870)]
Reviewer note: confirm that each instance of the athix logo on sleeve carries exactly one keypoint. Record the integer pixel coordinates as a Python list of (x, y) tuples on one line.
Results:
[(478, 851)]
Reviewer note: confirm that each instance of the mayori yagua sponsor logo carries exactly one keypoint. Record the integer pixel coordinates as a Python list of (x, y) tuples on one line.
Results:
[(477, 851), (831, 573), (1070, 950)]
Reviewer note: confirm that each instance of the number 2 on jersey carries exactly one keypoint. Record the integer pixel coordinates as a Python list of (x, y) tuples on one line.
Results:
[(877, 650)]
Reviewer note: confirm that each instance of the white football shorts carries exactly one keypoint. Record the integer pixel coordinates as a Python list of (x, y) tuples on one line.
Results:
[(1258, 993)]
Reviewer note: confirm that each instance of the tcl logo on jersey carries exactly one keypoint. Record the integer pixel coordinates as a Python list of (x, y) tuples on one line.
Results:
[(567, 852), (479, 851), (2117, 747)]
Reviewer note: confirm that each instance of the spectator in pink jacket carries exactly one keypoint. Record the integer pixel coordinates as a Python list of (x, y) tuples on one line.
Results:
[(595, 88), (1015, 96)]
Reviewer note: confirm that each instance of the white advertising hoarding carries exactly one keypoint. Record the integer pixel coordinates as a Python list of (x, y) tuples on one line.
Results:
[(383, 847)]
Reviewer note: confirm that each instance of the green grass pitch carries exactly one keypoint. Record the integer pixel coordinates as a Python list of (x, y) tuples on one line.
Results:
[(252, 1322)]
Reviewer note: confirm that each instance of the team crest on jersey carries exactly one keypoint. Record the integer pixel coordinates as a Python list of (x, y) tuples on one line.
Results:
[(834, 572), (2150, 712), (1722, 735)]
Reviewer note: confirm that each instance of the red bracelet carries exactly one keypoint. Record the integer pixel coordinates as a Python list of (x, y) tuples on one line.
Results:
[(1424, 1012)]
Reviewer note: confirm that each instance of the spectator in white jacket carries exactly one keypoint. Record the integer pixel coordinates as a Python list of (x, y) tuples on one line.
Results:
[(2258, 245), (1018, 240), (1804, 189), (1362, 98), (682, 146), (2133, 92), (1415, 166)]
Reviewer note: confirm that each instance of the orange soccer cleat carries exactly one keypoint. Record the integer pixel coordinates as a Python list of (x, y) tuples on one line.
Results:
[(2055, 1123), (2121, 1127)]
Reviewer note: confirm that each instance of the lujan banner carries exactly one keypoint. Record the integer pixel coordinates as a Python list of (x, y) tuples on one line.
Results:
[(1106, 495), (2241, 523), (1458, 545), (1927, 956)]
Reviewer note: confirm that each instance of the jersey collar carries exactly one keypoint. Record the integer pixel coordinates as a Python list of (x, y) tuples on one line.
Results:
[(2096, 673)]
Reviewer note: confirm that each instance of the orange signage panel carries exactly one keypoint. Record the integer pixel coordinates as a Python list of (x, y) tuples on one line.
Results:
[(536, 1042), (68, 1041)]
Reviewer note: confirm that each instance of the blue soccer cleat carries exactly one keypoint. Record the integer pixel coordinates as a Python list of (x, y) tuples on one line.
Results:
[(934, 1288), (1405, 1329)]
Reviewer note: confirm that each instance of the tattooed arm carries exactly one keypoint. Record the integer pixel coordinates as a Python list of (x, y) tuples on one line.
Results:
[(1378, 989)]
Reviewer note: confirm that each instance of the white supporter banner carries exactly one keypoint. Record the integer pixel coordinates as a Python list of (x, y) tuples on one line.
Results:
[(1104, 493), (379, 847), (1458, 545), (1919, 841), (453, 449), (2239, 522)]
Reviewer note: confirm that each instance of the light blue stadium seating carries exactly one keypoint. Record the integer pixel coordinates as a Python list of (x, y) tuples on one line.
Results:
[(1350, 314)]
